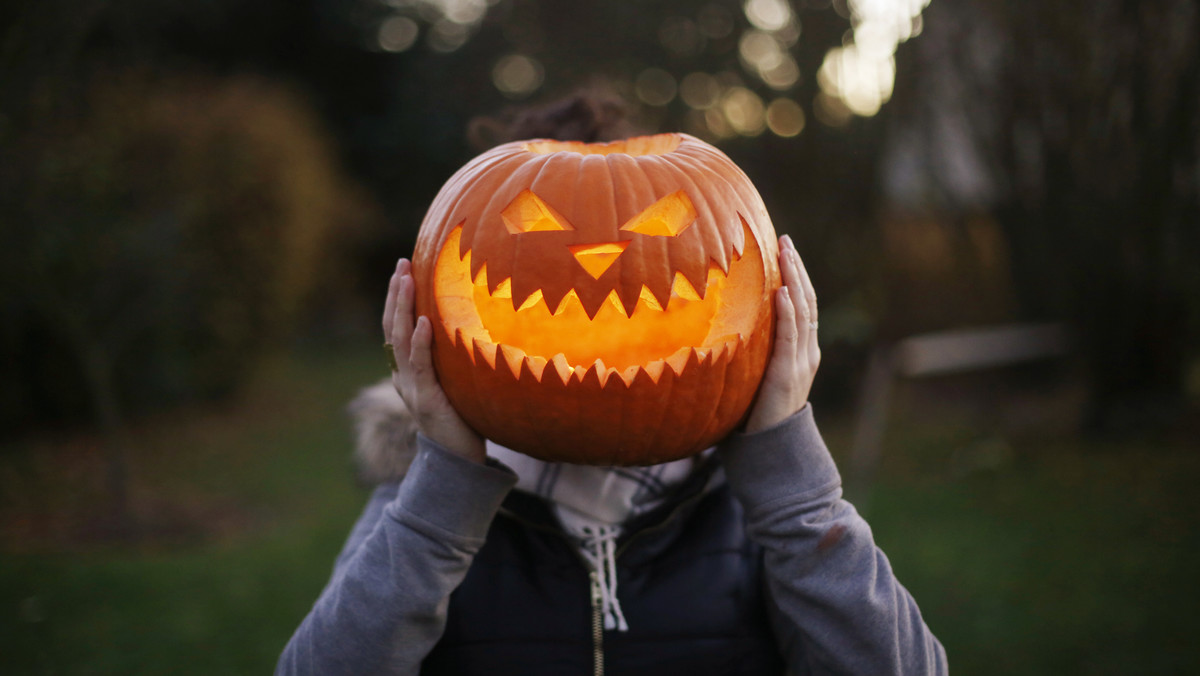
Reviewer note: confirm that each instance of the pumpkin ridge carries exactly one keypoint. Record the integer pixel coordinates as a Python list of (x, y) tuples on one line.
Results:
[(463, 209), (729, 192), (660, 284), (526, 176)]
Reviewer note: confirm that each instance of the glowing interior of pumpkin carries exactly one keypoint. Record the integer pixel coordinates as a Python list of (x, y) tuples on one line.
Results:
[(658, 333)]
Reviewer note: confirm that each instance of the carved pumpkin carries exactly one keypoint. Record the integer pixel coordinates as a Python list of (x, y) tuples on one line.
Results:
[(602, 303)]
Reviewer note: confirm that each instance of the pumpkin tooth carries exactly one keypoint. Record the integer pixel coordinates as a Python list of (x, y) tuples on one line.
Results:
[(659, 287), (651, 301), (562, 367), (568, 299), (679, 359), (683, 288), (615, 300), (655, 369), (513, 356), (630, 374), (536, 366), (480, 277), (603, 373), (591, 301), (532, 300), (485, 349), (628, 299), (503, 289), (716, 352), (725, 344)]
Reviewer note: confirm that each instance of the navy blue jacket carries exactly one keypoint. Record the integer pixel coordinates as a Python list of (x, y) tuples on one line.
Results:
[(690, 582)]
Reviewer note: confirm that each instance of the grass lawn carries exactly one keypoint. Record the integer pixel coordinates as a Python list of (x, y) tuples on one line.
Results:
[(1028, 556)]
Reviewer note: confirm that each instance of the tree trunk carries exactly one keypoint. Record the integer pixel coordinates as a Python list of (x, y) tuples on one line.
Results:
[(98, 372)]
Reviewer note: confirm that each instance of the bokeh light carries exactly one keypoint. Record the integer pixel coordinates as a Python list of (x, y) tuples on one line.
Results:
[(744, 110), (449, 23), (465, 12), (763, 49), (785, 118), (447, 36), (831, 110), (681, 37), (715, 21), (397, 34), (861, 79), (759, 50), (655, 87), (718, 125), (784, 75), (768, 15), (860, 74), (700, 91), (517, 75)]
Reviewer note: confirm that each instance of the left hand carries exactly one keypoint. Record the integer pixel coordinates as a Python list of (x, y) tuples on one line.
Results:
[(413, 373), (793, 365)]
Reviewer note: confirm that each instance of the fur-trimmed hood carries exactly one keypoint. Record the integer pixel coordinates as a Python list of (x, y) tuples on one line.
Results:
[(385, 434)]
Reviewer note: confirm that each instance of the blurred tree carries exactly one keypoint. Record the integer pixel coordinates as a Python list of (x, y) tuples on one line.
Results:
[(399, 80), (1078, 124), (159, 236)]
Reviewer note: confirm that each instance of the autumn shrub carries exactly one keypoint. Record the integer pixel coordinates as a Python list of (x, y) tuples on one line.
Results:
[(160, 236)]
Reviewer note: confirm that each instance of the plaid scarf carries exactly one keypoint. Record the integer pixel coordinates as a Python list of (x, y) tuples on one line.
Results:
[(593, 503)]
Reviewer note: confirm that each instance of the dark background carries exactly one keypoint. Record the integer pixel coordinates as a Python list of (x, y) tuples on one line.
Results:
[(201, 202)]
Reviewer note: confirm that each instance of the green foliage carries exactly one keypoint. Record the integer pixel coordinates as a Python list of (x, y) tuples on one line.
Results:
[(172, 225)]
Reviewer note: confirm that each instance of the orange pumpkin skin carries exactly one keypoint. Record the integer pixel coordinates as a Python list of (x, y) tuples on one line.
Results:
[(600, 304)]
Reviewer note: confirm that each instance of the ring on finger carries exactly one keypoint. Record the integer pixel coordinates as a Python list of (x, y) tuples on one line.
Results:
[(391, 356)]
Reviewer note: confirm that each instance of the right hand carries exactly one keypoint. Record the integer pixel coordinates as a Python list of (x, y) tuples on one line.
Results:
[(414, 377)]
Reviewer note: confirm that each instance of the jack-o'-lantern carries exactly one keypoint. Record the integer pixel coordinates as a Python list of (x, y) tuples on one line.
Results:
[(604, 303)]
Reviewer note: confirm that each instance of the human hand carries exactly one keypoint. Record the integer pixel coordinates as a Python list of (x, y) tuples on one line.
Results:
[(793, 365), (413, 375)]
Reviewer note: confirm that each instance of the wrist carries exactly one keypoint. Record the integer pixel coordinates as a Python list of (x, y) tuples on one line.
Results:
[(766, 417), (465, 444)]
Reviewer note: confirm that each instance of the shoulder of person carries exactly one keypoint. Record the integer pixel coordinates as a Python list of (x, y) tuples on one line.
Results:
[(385, 434)]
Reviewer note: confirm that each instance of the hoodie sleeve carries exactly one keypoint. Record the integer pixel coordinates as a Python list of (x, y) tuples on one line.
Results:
[(836, 606), (385, 606)]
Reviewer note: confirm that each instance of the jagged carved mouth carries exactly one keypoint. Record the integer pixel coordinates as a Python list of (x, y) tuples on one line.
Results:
[(691, 326)]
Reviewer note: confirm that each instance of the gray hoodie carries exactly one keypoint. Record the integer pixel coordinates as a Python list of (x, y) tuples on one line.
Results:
[(836, 607)]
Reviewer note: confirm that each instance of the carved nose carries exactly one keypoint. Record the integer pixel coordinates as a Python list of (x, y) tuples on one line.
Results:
[(596, 258)]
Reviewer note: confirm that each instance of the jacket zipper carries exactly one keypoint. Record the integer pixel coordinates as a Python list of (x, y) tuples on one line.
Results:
[(593, 576), (597, 626)]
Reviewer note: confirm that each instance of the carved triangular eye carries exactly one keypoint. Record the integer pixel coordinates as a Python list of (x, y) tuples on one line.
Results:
[(667, 217), (528, 213)]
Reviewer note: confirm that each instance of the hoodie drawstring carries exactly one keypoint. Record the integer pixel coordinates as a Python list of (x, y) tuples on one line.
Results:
[(599, 547)]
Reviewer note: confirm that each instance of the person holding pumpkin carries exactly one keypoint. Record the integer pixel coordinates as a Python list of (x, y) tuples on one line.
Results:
[(741, 558)]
